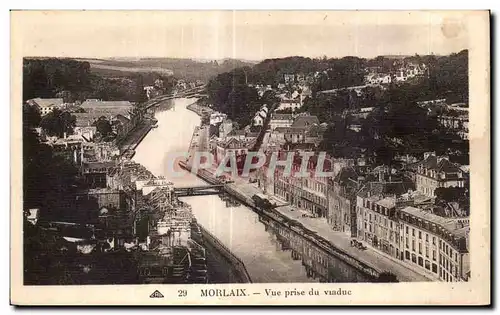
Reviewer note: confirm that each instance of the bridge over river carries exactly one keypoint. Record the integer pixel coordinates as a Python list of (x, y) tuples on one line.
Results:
[(256, 242), (198, 190)]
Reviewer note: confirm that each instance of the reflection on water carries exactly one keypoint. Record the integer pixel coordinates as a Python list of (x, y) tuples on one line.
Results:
[(267, 253)]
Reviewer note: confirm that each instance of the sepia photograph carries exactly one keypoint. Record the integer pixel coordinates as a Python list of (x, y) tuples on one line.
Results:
[(215, 157)]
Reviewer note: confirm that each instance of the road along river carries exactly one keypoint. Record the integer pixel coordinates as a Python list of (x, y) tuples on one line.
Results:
[(266, 254)]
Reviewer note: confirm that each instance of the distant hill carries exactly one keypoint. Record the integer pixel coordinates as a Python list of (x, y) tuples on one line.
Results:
[(186, 69)]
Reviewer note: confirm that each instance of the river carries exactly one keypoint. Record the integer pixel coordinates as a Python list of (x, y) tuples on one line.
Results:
[(237, 226)]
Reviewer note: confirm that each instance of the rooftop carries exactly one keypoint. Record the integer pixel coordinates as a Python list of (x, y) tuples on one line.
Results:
[(282, 117), (305, 121), (441, 164), (385, 188), (84, 119), (97, 103), (449, 224), (47, 102), (290, 129)]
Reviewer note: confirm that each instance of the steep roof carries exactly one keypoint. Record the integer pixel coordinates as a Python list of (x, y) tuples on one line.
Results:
[(84, 119), (385, 188), (345, 175), (48, 102), (439, 164), (122, 119), (316, 131), (232, 141), (305, 121)]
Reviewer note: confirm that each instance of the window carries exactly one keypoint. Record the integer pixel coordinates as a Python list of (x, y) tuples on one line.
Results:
[(426, 251), (413, 245), (434, 254), (426, 237), (414, 258), (407, 246), (420, 248), (434, 268), (406, 230), (391, 224), (427, 265), (420, 261), (420, 234), (407, 255), (456, 258), (433, 240), (413, 232)]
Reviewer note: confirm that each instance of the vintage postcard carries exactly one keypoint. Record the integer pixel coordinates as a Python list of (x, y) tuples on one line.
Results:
[(250, 158)]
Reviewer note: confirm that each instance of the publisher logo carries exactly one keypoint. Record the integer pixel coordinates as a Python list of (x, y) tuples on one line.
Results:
[(156, 294)]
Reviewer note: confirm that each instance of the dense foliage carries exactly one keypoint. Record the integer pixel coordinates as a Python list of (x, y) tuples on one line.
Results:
[(58, 123), (103, 126), (49, 179), (75, 81), (447, 78)]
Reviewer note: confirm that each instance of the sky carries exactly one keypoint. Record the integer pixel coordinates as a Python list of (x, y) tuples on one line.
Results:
[(249, 35)]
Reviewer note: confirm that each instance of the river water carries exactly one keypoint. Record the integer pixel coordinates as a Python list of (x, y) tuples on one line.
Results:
[(237, 226)]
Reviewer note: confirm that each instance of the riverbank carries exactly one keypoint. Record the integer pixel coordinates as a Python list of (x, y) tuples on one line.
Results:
[(203, 111), (135, 136), (370, 261), (236, 271)]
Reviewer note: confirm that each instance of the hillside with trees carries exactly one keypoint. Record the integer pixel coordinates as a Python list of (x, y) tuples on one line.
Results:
[(395, 126), (76, 81), (185, 69)]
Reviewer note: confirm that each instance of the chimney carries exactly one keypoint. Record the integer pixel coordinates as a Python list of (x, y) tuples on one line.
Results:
[(64, 135)]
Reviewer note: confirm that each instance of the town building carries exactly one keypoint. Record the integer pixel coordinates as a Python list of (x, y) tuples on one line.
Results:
[(434, 244), (435, 172), (217, 118), (225, 128), (363, 112), (46, 105), (304, 120), (342, 194), (457, 122), (289, 134), (308, 193), (259, 118), (280, 120), (85, 126), (289, 78), (377, 223), (289, 104), (231, 146), (95, 173), (121, 125)]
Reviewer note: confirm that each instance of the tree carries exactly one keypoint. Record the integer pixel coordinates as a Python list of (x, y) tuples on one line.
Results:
[(103, 126), (31, 116), (58, 123)]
